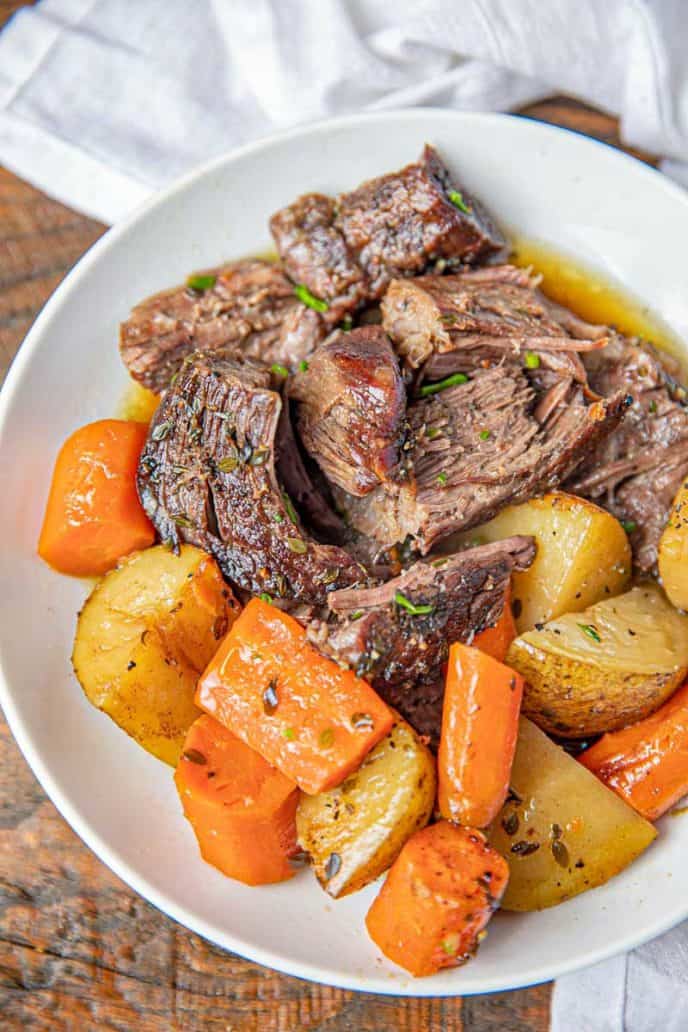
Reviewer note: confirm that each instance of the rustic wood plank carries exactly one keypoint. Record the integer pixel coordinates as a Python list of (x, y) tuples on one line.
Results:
[(78, 949)]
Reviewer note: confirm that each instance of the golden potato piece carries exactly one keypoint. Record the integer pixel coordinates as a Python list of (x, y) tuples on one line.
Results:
[(673, 551), (583, 555), (606, 667), (354, 832), (146, 632), (561, 830)]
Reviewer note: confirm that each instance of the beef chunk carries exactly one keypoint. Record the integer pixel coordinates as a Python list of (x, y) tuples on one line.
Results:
[(476, 447), (251, 306), (397, 224), (444, 324), (402, 654), (207, 476), (314, 252), (352, 408), (637, 470)]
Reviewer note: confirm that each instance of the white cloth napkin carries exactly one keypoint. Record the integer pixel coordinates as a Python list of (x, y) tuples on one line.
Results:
[(104, 101)]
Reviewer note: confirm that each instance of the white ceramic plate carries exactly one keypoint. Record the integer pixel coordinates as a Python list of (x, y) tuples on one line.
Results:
[(550, 184)]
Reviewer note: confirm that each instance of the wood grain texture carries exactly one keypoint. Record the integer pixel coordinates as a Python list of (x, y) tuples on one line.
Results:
[(78, 949)]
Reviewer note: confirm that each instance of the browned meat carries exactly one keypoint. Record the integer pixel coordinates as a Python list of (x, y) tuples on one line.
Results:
[(444, 324), (207, 476), (636, 472), (402, 654), (251, 305), (399, 223), (314, 253), (476, 447), (352, 408)]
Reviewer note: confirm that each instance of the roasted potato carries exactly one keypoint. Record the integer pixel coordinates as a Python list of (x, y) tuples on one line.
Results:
[(143, 637), (606, 667), (561, 830), (354, 832), (583, 555), (673, 551)]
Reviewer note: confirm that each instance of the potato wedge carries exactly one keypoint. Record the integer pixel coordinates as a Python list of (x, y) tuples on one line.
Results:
[(606, 667), (146, 632), (673, 551), (583, 555), (561, 830), (355, 832)]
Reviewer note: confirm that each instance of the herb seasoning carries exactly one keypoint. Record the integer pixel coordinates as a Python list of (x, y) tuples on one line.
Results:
[(201, 283), (415, 610), (458, 201), (441, 385), (304, 295)]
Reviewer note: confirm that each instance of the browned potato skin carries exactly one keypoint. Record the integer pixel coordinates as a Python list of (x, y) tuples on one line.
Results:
[(365, 821), (144, 635), (580, 695), (561, 830), (673, 551), (583, 555)]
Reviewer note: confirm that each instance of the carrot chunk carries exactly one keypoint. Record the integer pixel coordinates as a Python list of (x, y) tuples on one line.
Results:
[(482, 701), (437, 898), (495, 641), (242, 810), (305, 715), (646, 763), (93, 516)]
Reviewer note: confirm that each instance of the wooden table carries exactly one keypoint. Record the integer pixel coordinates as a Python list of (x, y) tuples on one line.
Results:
[(80, 951)]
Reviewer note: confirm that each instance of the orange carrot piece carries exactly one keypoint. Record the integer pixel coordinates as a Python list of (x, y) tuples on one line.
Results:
[(482, 701), (242, 810), (495, 641), (93, 516), (647, 763), (438, 896), (305, 715)]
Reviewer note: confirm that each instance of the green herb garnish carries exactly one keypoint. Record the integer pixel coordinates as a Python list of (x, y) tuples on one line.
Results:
[(652, 407), (279, 370), (289, 506), (441, 385), (304, 294), (303, 365), (201, 282), (457, 200), (297, 545), (411, 607), (484, 435), (591, 631), (433, 432), (531, 360), (265, 597), (356, 615), (288, 733), (442, 478), (629, 526)]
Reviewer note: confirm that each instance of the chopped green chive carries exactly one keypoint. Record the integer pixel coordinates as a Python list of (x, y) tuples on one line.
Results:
[(531, 360), (411, 607), (433, 432), (304, 294), (484, 435), (356, 615), (652, 407), (303, 365), (629, 526), (288, 505), (264, 597), (288, 733), (442, 478), (441, 385), (201, 282), (450, 946), (278, 517), (591, 631), (279, 370), (457, 200), (297, 545)]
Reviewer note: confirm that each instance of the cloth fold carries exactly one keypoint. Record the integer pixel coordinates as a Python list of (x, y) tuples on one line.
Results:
[(104, 101)]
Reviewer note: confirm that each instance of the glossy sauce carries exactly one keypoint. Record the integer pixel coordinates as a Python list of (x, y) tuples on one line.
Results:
[(589, 294)]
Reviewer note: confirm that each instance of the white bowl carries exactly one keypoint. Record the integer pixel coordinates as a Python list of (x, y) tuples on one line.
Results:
[(579, 195)]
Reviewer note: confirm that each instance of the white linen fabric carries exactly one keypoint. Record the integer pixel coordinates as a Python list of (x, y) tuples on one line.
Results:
[(104, 101)]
